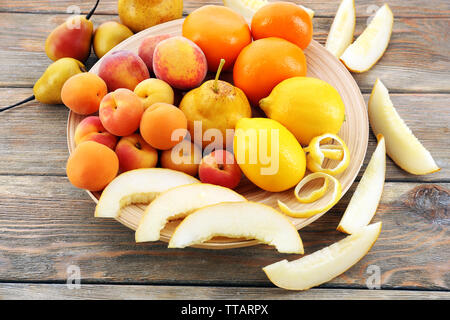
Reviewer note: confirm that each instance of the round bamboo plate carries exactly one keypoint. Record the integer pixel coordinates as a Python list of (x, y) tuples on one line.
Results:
[(355, 131)]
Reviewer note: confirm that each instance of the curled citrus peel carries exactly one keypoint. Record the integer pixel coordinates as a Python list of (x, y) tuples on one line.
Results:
[(317, 153), (314, 195), (337, 192)]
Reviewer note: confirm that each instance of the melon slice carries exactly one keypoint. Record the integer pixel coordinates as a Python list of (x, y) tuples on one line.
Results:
[(401, 144), (325, 264), (138, 186), (370, 46), (248, 220), (365, 199), (179, 202)]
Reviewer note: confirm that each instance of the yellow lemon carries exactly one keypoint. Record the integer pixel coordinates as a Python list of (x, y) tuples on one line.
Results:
[(308, 107), (268, 154)]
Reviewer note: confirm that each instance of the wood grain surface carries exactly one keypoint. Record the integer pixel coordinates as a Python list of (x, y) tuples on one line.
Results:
[(411, 63), (47, 225), (136, 292)]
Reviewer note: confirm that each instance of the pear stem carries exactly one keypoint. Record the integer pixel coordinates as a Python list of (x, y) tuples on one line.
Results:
[(89, 15), (219, 70), (18, 103)]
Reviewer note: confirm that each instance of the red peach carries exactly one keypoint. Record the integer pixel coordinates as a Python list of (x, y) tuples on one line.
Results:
[(147, 48), (220, 168), (91, 129), (134, 153), (121, 111), (122, 69), (179, 62)]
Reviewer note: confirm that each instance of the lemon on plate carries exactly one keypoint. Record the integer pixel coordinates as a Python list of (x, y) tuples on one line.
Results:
[(370, 46), (308, 107), (268, 154)]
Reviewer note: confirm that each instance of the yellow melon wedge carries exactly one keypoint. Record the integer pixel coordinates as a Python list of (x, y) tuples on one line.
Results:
[(325, 264), (179, 202), (342, 29), (365, 199), (248, 220), (401, 144), (138, 186), (370, 46), (247, 8)]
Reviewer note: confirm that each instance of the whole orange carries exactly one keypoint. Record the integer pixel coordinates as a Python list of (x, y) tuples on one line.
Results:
[(219, 31), (283, 20), (264, 63)]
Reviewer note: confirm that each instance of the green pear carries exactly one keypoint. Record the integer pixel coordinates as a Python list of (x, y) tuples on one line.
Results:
[(218, 105), (48, 88), (108, 35)]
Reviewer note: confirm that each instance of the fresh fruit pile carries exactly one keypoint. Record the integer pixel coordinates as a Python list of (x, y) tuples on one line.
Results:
[(145, 140)]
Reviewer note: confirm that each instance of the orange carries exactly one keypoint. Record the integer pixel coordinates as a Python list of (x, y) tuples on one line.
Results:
[(264, 63), (219, 32), (92, 166), (283, 20)]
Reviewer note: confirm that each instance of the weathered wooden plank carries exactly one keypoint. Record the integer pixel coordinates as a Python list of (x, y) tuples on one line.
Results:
[(31, 291), (417, 59), (46, 226), (404, 8), (35, 132)]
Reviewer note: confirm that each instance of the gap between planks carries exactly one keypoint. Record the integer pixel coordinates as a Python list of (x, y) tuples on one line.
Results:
[(101, 291)]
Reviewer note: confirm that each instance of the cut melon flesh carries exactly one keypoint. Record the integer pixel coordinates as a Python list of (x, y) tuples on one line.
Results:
[(248, 220), (342, 29), (401, 144), (365, 199), (369, 47), (138, 186), (325, 264), (247, 8), (179, 202)]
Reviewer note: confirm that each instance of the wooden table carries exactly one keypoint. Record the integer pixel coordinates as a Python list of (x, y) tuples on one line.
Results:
[(46, 225)]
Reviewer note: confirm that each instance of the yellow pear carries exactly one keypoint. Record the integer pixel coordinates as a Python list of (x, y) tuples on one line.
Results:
[(217, 104), (142, 14), (108, 35), (48, 88)]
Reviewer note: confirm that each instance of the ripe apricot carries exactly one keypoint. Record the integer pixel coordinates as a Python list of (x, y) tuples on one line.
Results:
[(264, 63), (283, 20), (163, 126), (220, 32), (92, 166), (83, 92)]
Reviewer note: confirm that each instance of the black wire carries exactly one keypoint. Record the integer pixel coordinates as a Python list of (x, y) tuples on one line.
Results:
[(18, 103), (89, 15)]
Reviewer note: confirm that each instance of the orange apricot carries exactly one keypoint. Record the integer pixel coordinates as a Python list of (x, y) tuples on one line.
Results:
[(163, 126), (92, 166), (83, 92)]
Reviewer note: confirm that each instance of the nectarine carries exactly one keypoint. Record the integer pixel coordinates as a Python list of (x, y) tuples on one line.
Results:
[(135, 153), (179, 62), (121, 112), (91, 129), (122, 69)]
